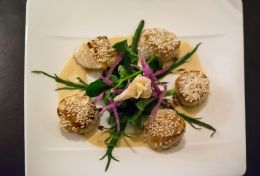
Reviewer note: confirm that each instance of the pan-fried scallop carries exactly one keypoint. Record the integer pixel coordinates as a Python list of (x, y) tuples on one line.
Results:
[(192, 88), (159, 42), (165, 130), (95, 54), (78, 114)]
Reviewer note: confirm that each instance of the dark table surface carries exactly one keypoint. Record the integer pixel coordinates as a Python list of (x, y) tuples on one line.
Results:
[(12, 30)]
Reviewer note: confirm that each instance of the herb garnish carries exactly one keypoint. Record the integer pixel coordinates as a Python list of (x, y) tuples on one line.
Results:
[(69, 85), (181, 61), (136, 37), (196, 121)]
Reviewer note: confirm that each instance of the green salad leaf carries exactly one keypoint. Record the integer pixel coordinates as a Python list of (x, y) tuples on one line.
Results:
[(111, 143), (97, 87), (153, 62), (142, 103), (122, 71), (136, 119), (170, 92), (123, 47), (114, 78)]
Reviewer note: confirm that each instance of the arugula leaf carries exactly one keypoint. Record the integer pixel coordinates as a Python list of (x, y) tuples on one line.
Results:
[(95, 88), (136, 36), (142, 103), (170, 92), (123, 47), (136, 119), (122, 71), (111, 143), (106, 96), (154, 63), (180, 61), (148, 109), (114, 78)]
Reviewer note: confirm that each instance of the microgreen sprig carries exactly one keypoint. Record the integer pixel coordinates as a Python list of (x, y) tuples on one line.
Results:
[(136, 36), (196, 121), (68, 84), (181, 61)]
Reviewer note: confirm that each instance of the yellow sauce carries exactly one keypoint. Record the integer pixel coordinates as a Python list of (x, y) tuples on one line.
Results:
[(72, 70), (194, 62), (97, 138)]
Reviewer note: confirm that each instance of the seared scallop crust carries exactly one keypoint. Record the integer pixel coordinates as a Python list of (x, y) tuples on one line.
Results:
[(78, 114), (192, 88), (159, 42), (95, 54), (165, 130)]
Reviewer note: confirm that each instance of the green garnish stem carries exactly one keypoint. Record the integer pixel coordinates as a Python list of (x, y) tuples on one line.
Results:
[(195, 121), (170, 92), (180, 61), (120, 81), (136, 36)]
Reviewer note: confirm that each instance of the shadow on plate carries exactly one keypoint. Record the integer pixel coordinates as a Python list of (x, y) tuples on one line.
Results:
[(192, 111), (75, 136), (177, 148)]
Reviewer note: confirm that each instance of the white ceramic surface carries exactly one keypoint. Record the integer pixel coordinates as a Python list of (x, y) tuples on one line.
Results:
[(55, 28)]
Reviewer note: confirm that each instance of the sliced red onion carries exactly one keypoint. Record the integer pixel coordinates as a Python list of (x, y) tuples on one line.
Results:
[(157, 106), (161, 83), (107, 107), (111, 69), (114, 109), (159, 72), (99, 97), (127, 84), (166, 104), (156, 89), (136, 66), (118, 91), (113, 106), (147, 71), (106, 81)]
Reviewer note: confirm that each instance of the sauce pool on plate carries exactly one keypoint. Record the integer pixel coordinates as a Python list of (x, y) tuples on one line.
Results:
[(72, 70)]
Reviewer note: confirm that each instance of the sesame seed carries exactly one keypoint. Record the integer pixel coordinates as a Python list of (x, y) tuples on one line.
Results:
[(77, 113), (166, 124), (193, 86), (159, 42), (101, 49)]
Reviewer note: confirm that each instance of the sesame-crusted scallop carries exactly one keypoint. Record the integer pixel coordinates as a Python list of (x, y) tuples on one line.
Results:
[(192, 88), (95, 54), (165, 130), (78, 114), (159, 42)]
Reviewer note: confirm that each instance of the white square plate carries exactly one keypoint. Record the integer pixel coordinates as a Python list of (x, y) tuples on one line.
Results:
[(55, 28)]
